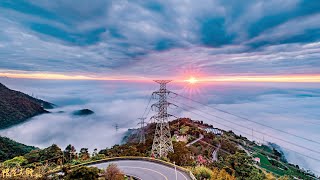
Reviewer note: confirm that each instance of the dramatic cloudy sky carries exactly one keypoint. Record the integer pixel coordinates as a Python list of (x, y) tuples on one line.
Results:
[(153, 38), (224, 40)]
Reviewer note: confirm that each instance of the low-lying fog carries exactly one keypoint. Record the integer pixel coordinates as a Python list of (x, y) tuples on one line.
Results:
[(294, 108)]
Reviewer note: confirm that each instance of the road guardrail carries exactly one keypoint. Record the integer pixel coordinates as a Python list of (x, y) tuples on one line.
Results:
[(131, 158)]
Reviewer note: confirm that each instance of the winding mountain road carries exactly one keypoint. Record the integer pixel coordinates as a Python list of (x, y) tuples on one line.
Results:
[(146, 170), (196, 140), (215, 153)]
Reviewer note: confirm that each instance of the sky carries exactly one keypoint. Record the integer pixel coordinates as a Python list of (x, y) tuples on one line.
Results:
[(250, 57), (148, 39)]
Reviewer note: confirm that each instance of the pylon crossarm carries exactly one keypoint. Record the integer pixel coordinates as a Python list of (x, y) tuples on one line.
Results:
[(155, 107), (162, 81), (158, 106), (160, 92)]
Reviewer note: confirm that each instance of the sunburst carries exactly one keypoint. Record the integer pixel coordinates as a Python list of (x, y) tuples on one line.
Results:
[(192, 80)]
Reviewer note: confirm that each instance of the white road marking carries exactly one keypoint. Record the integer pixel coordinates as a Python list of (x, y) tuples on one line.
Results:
[(146, 169), (171, 169)]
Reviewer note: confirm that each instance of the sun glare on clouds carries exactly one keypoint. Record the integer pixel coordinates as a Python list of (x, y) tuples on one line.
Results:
[(312, 78), (192, 80)]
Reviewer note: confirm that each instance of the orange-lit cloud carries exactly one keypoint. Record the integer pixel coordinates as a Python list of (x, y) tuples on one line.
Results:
[(266, 78), (210, 79), (53, 76), (270, 78)]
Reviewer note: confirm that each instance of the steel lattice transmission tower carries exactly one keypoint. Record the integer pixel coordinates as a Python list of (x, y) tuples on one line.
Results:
[(142, 131), (162, 143)]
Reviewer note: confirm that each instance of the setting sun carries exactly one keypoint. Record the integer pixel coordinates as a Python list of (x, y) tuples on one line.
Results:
[(192, 80)]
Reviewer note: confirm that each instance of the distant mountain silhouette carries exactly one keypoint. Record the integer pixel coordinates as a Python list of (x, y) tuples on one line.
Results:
[(16, 107)]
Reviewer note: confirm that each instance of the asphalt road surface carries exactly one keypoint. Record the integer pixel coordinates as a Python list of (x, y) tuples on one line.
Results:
[(146, 170)]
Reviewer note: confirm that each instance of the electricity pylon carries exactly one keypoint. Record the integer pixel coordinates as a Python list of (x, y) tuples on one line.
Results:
[(142, 132), (117, 127), (162, 143)]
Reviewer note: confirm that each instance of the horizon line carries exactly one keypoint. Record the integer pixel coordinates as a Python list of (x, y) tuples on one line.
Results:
[(305, 78)]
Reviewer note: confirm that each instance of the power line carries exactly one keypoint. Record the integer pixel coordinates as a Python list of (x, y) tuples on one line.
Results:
[(244, 118), (255, 130), (144, 115), (250, 134), (213, 146), (255, 137), (145, 110), (148, 114)]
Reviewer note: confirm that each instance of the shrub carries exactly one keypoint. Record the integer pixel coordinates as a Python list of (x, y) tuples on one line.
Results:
[(16, 161), (202, 173), (113, 173), (83, 173)]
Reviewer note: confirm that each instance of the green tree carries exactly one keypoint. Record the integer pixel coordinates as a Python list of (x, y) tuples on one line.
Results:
[(98, 157), (33, 156), (52, 152), (95, 152), (182, 155), (69, 153), (84, 154), (241, 165), (202, 173), (83, 173), (128, 149)]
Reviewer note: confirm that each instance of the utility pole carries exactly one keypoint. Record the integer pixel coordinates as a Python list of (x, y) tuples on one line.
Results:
[(142, 132), (162, 143)]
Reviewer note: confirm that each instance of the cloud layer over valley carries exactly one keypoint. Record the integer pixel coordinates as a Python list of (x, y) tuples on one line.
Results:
[(290, 108)]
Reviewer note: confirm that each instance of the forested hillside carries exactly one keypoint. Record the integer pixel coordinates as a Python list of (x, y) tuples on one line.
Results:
[(217, 154), (17, 107), (10, 149)]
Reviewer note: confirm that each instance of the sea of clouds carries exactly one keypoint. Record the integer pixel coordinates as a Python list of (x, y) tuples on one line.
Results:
[(293, 108)]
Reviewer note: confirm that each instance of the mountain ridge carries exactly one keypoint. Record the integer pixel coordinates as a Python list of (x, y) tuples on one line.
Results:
[(17, 107)]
